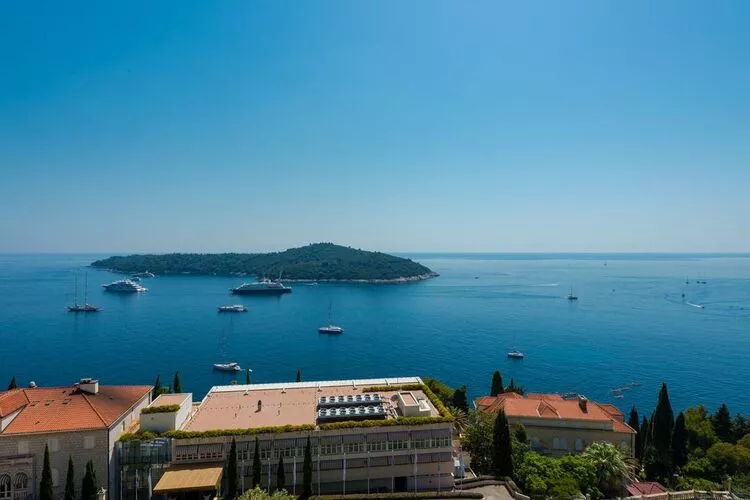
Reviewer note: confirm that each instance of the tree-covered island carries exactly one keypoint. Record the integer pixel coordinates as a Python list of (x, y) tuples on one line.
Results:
[(315, 262)]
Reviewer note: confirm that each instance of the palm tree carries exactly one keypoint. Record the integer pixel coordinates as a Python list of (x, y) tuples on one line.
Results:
[(613, 468), (461, 419)]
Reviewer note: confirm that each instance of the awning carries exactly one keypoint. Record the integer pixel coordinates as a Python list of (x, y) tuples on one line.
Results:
[(189, 478)]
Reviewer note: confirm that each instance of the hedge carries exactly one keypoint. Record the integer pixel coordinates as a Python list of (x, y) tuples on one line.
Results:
[(353, 424), (238, 432), (161, 409), (401, 496), (436, 402)]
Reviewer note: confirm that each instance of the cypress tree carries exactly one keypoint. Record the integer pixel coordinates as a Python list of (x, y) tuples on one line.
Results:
[(176, 386), (307, 470), (299, 376), (501, 446), (70, 479), (679, 442), (256, 464), (634, 422), (643, 440), (89, 486), (459, 399), (247, 377), (12, 384), (46, 488), (497, 384), (280, 476), (659, 462), (721, 421), (157, 387), (231, 472)]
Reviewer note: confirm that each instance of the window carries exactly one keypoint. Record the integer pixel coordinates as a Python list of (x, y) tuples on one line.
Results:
[(559, 443), (23, 447), (353, 447), (55, 478), (22, 481), (89, 442), (579, 444), (376, 446), (53, 444), (624, 445), (400, 444), (5, 486)]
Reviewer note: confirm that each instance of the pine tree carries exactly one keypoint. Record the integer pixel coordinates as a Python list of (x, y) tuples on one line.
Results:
[(679, 442), (299, 376), (497, 384), (157, 388), (247, 377), (176, 386), (70, 480), (740, 427), (307, 470), (459, 399), (256, 464), (643, 442), (501, 446), (520, 434), (280, 476), (12, 384), (721, 421), (46, 488), (659, 463), (89, 487), (231, 472)]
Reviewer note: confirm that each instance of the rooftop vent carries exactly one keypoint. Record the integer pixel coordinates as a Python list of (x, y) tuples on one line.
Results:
[(89, 385), (583, 403)]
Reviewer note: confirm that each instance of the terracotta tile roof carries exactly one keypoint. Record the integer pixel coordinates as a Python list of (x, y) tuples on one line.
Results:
[(55, 409), (645, 488), (552, 406), (11, 401)]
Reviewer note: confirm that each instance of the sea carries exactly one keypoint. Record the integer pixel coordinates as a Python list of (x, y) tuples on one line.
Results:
[(630, 328)]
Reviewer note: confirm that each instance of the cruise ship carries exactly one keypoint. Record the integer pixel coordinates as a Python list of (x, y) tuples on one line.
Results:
[(124, 286), (262, 287)]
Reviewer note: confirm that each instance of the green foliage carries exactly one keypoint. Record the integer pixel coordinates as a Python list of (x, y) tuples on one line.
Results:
[(564, 477), (695, 483), (729, 459), (280, 476), (441, 390), (258, 494), (641, 445), (459, 399), (700, 432), (401, 496), (90, 485), (497, 384), (12, 385), (740, 427), (176, 385), (256, 464), (612, 467), (502, 453), (307, 470), (721, 421), (564, 488), (679, 442), (156, 391), (70, 481), (512, 387), (658, 459), (477, 440), (520, 434), (634, 422), (434, 399), (231, 472), (744, 441), (161, 409), (299, 376), (355, 424), (700, 468), (320, 261), (237, 432), (46, 488)]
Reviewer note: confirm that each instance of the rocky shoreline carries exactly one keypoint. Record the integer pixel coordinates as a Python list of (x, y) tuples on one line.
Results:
[(402, 279)]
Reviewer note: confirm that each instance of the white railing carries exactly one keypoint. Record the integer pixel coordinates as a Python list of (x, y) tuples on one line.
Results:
[(685, 495)]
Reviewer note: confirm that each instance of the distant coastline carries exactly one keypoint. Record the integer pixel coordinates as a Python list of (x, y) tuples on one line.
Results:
[(319, 262)]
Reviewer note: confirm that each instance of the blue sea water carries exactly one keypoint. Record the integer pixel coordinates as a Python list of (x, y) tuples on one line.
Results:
[(630, 324)]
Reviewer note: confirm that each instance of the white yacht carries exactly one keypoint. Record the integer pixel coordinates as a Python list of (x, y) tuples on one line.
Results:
[(262, 287), (227, 367), (124, 286), (145, 274), (235, 308), (515, 354)]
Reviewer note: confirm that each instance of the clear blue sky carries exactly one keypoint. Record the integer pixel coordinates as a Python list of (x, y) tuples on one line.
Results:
[(390, 125)]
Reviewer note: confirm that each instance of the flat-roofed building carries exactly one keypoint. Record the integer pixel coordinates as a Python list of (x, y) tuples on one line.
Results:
[(365, 435), (560, 424)]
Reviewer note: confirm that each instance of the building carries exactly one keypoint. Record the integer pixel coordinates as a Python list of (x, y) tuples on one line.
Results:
[(365, 435), (82, 421), (637, 489), (560, 424)]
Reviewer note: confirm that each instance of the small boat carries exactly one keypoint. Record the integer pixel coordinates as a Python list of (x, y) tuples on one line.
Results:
[(330, 327), (235, 308), (227, 367), (571, 296), (516, 354), (699, 306), (635, 384), (314, 283), (145, 274), (85, 307), (619, 396)]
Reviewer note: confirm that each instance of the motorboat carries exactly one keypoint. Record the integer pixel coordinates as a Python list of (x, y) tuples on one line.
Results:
[(145, 274), (235, 308), (516, 354), (330, 329), (227, 367), (262, 287), (124, 286)]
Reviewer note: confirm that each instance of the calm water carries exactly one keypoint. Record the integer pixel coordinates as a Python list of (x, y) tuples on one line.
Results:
[(630, 324)]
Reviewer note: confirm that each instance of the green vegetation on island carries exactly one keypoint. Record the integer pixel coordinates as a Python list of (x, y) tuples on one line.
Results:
[(315, 262)]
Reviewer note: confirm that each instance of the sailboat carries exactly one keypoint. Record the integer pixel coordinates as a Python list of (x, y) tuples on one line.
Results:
[(571, 295), (515, 353), (330, 328), (85, 307)]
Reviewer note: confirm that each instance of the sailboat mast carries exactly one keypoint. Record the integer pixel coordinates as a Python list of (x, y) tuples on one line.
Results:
[(75, 300), (86, 289)]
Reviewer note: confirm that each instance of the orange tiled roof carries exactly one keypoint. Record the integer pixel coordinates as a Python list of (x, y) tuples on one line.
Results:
[(11, 401), (55, 409), (552, 406)]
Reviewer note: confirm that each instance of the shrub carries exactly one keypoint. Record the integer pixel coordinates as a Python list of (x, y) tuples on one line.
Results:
[(161, 409)]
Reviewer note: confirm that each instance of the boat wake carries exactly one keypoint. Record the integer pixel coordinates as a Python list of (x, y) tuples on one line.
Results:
[(547, 285), (699, 306)]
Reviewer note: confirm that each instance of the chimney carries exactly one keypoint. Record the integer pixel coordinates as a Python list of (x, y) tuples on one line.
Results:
[(583, 403), (89, 385), (260, 405)]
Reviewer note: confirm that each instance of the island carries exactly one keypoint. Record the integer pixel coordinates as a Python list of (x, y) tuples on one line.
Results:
[(315, 262)]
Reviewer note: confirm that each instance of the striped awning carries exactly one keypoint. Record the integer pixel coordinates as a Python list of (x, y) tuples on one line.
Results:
[(189, 478)]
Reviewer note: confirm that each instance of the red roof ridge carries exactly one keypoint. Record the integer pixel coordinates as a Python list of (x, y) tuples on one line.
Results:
[(93, 408)]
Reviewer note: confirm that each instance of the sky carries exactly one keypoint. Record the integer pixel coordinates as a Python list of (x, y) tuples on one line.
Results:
[(591, 126)]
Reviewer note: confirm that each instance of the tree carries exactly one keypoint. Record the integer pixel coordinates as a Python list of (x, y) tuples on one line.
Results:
[(512, 387), (497, 384), (46, 488), (12, 385), (721, 421), (744, 441), (231, 472), (634, 422), (613, 469), (256, 464), (247, 377), (280, 476), (90, 486), (659, 459), (502, 452), (70, 480), (299, 376), (157, 388), (740, 427), (176, 386), (259, 494), (477, 440), (679, 442), (520, 434), (459, 399), (700, 432), (307, 470), (729, 459), (641, 443)]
